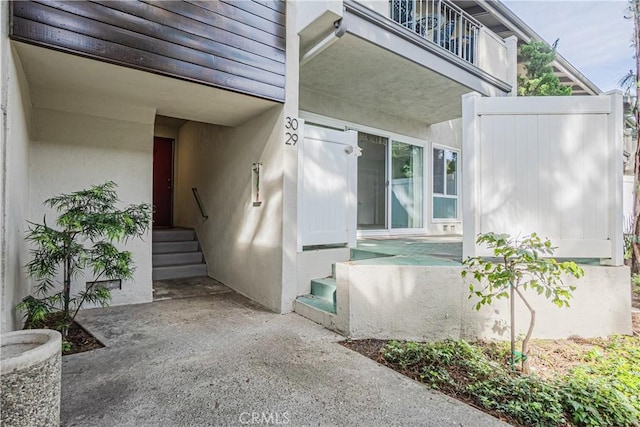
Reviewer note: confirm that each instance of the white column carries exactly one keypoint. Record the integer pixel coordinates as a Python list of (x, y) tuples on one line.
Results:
[(290, 165)]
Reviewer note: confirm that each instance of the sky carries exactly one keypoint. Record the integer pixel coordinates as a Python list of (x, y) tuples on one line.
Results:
[(594, 35)]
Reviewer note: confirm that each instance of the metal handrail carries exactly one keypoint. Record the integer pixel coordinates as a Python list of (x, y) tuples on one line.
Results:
[(199, 202), (441, 22)]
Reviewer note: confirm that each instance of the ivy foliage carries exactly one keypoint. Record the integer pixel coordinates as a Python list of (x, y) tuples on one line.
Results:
[(601, 391), (88, 228)]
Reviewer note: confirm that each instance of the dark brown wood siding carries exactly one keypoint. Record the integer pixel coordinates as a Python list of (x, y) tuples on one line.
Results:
[(231, 44)]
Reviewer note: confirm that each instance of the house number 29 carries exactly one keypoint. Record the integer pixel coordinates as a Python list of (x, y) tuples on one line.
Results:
[(291, 134)]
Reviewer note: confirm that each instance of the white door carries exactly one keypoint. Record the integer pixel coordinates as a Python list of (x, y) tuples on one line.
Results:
[(327, 187)]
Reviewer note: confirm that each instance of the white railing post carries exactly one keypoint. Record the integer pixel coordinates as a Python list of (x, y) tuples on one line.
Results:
[(470, 178), (615, 178)]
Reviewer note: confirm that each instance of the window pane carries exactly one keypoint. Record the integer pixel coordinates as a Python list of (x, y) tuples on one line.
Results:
[(445, 208), (452, 173), (438, 171), (406, 185)]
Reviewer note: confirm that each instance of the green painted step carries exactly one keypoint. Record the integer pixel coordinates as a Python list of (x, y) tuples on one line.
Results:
[(324, 288), (319, 303)]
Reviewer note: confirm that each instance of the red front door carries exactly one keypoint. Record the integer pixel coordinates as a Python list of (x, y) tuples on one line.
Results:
[(162, 182)]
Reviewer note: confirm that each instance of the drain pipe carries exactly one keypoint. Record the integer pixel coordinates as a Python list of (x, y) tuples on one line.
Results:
[(330, 39)]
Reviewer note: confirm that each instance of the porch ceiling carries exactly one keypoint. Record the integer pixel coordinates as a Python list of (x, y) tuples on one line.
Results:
[(63, 81), (364, 74)]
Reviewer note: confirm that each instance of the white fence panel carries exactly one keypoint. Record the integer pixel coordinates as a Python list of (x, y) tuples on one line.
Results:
[(551, 165), (327, 187)]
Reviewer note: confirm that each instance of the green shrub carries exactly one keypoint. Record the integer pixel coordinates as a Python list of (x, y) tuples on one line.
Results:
[(603, 392), (594, 401), (528, 399)]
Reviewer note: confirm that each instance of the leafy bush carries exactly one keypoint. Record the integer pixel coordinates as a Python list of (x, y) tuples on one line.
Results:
[(595, 401), (89, 226), (528, 399)]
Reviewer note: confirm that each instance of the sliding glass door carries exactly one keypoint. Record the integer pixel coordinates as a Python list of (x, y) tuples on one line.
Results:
[(372, 179), (394, 166), (406, 185)]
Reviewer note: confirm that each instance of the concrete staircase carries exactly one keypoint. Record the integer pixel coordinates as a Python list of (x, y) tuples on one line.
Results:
[(176, 254), (321, 304)]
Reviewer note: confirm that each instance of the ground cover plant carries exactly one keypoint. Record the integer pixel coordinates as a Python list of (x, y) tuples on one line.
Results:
[(574, 382)]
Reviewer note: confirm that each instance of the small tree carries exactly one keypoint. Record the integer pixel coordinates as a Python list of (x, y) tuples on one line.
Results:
[(632, 87), (89, 225), (539, 79), (519, 266)]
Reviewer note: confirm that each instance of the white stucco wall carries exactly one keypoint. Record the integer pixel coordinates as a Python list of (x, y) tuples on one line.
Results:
[(14, 179), (447, 133), (72, 151), (430, 303), (338, 108), (242, 244)]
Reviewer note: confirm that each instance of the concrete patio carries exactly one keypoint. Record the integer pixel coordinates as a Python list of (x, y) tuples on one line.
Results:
[(204, 355)]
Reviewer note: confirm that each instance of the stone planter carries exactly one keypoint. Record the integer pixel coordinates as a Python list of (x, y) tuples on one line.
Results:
[(30, 388)]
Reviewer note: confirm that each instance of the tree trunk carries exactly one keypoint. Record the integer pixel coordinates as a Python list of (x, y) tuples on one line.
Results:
[(635, 256), (512, 315), (526, 366), (66, 295)]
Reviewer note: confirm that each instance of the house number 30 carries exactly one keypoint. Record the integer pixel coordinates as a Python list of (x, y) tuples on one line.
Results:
[(291, 134)]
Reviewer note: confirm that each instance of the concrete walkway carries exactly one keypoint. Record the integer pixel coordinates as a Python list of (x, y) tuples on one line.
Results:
[(215, 358)]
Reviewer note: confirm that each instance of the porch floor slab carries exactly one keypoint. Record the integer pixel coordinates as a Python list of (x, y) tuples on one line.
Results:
[(430, 251), (216, 358), (420, 250)]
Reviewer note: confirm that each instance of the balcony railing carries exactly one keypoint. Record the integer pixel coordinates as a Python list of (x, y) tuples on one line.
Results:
[(440, 22)]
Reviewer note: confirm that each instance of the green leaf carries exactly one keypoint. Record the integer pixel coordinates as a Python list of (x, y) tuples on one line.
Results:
[(89, 223)]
